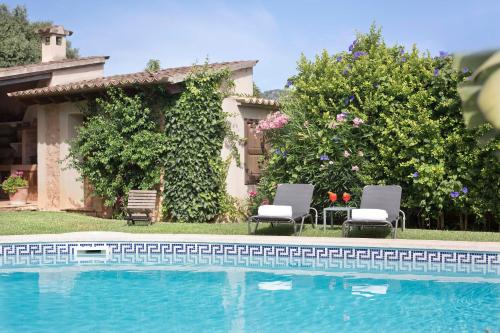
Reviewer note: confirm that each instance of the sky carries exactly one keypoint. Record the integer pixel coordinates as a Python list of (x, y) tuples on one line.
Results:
[(276, 33)]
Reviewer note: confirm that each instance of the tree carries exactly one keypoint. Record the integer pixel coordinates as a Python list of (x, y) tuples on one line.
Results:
[(153, 65), (19, 41)]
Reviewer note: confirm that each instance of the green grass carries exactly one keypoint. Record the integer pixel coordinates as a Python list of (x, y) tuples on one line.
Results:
[(23, 223)]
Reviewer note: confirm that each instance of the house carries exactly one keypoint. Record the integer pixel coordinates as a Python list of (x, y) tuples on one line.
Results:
[(40, 111)]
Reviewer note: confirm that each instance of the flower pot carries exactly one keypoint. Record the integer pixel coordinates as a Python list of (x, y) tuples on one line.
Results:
[(20, 197)]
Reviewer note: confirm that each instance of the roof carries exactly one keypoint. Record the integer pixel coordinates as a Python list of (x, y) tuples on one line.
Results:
[(255, 101), (24, 70), (55, 30), (168, 75)]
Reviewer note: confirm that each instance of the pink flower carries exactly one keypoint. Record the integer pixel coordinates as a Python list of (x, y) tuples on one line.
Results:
[(19, 173), (355, 168), (252, 194), (360, 153), (272, 121), (357, 121), (306, 124), (346, 153), (341, 117)]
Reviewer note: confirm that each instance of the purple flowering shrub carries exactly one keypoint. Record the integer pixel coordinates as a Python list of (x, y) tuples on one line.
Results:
[(379, 114)]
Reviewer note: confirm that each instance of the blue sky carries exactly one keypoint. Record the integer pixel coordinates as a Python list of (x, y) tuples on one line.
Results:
[(274, 32)]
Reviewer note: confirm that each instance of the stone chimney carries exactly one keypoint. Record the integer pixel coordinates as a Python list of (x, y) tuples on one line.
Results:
[(54, 42)]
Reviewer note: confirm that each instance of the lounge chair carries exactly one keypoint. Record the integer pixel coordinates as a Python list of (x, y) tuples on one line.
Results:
[(375, 198), (299, 197), (140, 205)]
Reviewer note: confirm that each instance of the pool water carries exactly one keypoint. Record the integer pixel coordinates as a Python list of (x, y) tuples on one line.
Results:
[(183, 298)]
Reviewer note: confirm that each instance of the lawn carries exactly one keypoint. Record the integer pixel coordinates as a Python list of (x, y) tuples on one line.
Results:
[(22, 223)]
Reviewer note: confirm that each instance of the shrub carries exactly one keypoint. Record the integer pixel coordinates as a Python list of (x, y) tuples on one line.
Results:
[(377, 114)]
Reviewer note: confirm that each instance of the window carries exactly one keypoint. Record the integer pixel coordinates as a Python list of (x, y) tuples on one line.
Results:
[(47, 40), (58, 40), (255, 150)]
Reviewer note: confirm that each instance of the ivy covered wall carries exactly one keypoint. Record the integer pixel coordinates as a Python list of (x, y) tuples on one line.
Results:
[(152, 139)]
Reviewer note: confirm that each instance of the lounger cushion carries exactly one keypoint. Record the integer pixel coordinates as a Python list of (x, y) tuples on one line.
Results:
[(275, 211), (365, 214)]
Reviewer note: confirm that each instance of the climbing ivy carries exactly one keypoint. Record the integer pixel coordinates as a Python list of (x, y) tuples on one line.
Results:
[(196, 126)]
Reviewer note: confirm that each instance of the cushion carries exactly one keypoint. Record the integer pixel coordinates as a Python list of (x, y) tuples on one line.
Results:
[(275, 211), (364, 214)]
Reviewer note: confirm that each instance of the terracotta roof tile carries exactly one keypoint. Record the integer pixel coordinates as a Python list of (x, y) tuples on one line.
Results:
[(170, 75), (258, 101), (43, 65)]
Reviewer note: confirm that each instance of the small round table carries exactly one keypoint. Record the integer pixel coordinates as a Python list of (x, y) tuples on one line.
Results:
[(335, 209)]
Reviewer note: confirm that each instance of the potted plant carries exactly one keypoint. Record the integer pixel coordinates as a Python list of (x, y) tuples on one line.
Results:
[(17, 188)]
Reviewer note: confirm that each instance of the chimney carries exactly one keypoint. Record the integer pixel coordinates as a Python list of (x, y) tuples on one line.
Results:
[(54, 42)]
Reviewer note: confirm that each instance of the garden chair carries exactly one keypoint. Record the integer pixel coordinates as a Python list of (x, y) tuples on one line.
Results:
[(375, 199), (140, 206), (299, 198)]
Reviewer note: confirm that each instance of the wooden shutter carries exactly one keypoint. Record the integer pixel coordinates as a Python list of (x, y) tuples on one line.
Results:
[(255, 150)]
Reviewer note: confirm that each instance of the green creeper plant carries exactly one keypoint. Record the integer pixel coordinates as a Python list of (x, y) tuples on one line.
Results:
[(195, 127)]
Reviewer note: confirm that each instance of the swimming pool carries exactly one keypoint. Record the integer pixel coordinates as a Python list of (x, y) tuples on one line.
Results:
[(225, 287)]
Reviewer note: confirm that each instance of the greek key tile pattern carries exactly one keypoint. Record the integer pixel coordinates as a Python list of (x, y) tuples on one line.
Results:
[(254, 255)]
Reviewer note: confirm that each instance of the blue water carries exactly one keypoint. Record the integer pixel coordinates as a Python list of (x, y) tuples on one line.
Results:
[(165, 298)]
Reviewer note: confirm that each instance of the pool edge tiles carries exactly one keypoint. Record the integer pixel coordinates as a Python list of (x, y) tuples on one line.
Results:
[(329, 256)]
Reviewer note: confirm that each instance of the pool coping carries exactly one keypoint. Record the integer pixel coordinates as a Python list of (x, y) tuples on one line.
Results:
[(251, 239)]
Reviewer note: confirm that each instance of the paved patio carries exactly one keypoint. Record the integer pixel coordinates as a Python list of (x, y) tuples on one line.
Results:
[(5, 206)]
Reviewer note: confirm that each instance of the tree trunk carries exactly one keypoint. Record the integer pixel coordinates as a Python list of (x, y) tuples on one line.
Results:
[(465, 221), (461, 216)]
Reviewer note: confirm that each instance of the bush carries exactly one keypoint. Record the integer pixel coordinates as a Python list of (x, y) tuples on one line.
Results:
[(383, 115), (119, 147)]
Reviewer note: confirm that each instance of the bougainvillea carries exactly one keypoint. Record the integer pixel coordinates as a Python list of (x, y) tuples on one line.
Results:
[(379, 114)]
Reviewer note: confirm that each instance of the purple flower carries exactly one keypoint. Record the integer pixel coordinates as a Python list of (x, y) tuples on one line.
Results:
[(348, 100), (436, 71), (351, 47), (278, 151), (358, 54), (288, 83), (345, 71), (454, 194), (402, 51), (403, 59), (415, 175), (465, 70), (465, 190), (443, 54), (339, 59), (324, 157)]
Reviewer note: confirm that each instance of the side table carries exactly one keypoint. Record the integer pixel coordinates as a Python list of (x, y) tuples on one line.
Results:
[(335, 209)]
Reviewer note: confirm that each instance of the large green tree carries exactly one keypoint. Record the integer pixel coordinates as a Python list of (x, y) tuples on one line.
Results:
[(19, 41)]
